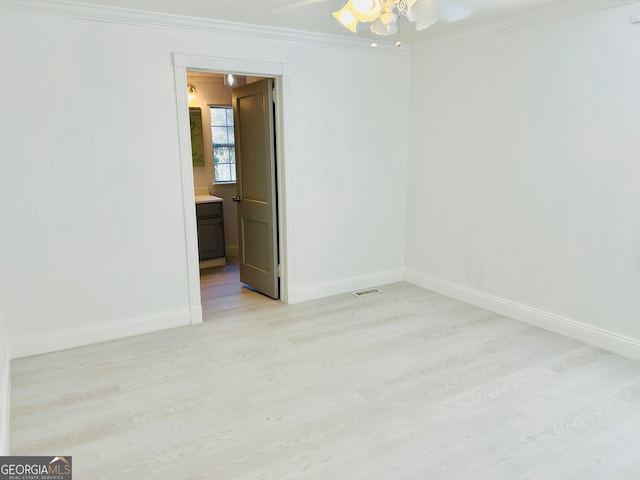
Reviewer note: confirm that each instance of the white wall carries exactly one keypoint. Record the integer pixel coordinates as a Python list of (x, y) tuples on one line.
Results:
[(90, 180), (524, 177), (5, 388)]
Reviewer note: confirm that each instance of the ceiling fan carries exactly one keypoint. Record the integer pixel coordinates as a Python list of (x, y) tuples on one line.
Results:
[(383, 15)]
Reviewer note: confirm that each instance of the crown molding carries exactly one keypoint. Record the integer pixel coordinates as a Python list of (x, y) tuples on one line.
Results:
[(109, 14), (558, 11), (127, 16)]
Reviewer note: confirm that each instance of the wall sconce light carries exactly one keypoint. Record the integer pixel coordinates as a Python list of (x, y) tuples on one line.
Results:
[(229, 80), (191, 92)]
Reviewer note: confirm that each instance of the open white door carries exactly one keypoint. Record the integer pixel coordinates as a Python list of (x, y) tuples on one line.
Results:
[(256, 186)]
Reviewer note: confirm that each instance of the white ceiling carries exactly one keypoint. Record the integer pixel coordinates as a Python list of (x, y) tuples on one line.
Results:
[(315, 15)]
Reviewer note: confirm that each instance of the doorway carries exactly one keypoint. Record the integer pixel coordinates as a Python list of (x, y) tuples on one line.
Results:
[(229, 277), (219, 289)]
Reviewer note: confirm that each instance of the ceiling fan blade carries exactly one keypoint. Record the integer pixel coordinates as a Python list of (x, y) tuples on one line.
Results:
[(451, 11)]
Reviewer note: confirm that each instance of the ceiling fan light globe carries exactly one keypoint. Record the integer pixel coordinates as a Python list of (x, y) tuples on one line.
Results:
[(380, 28), (362, 6), (365, 10), (388, 18), (346, 17), (424, 13)]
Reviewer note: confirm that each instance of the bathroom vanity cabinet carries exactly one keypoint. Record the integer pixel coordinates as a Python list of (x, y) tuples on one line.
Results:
[(210, 228)]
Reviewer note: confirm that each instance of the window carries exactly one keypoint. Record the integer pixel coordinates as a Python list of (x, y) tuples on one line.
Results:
[(224, 150)]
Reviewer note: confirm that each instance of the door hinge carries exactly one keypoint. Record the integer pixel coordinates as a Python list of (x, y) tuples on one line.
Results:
[(279, 270), (274, 95)]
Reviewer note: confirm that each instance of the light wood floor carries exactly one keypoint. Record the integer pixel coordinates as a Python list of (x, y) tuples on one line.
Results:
[(406, 384), (223, 293)]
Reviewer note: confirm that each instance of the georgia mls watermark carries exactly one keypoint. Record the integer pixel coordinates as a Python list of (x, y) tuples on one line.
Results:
[(35, 468)]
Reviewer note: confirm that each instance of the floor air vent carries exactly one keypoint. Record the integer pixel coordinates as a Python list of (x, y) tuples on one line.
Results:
[(366, 293)]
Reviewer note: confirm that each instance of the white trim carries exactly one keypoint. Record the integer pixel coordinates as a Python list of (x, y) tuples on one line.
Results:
[(129, 16), (598, 337), (192, 259), (284, 179), (551, 13), (195, 312), (462, 34), (346, 285), (280, 72), (26, 347), (5, 401), (237, 66)]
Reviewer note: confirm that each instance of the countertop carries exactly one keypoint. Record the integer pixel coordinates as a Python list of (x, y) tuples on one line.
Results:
[(208, 199)]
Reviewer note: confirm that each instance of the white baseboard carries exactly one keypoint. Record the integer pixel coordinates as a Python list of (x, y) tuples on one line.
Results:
[(5, 401), (196, 314), (598, 337), (26, 347), (346, 285)]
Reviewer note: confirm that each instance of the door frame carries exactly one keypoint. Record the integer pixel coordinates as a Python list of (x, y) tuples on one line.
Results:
[(282, 82)]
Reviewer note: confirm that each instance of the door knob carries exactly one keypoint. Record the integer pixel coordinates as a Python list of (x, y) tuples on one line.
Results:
[(236, 199)]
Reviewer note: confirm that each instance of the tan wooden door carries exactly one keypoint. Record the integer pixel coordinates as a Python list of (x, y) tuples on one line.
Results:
[(256, 186)]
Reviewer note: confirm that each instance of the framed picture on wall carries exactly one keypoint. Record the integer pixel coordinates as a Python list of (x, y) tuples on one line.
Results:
[(197, 144)]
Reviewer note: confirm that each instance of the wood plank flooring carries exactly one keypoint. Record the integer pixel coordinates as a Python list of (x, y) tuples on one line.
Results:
[(406, 384)]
